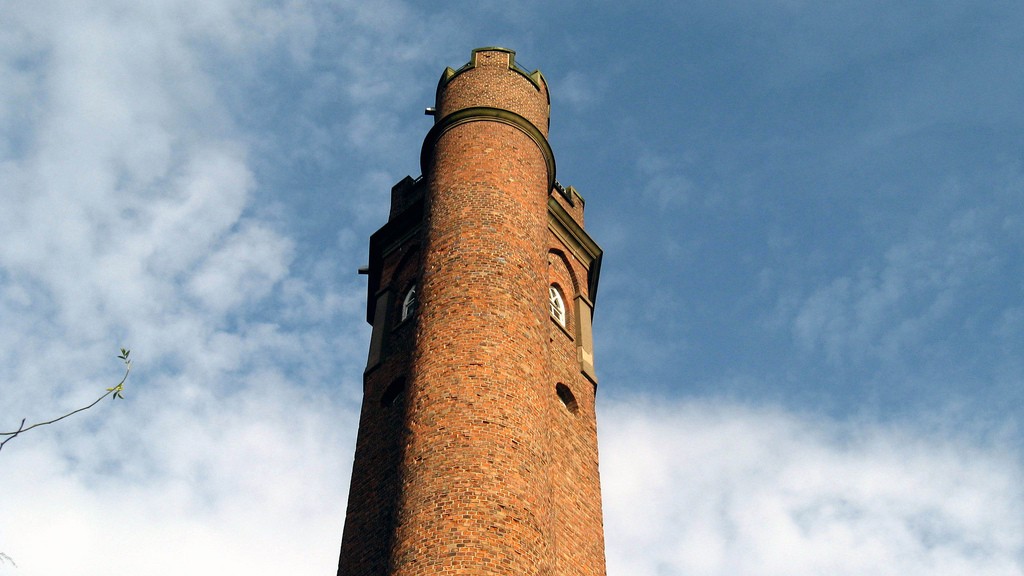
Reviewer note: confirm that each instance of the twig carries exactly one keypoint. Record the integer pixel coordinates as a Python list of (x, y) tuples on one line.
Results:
[(116, 391)]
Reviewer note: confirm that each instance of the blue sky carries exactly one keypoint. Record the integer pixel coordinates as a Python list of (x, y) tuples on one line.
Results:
[(810, 326)]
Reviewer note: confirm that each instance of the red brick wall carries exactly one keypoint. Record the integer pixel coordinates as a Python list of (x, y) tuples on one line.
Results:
[(578, 527), (376, 479)]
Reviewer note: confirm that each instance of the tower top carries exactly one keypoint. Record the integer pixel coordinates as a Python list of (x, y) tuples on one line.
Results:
[(492, 86), (492, 56)]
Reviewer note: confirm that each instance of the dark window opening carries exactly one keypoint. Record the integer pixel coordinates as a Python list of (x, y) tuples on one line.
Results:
[(392, 393), (567, 398)]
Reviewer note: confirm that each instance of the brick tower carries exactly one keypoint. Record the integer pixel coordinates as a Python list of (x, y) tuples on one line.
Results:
[(477, 445)]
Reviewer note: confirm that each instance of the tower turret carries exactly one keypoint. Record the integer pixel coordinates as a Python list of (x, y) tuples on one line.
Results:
[(477, 448)]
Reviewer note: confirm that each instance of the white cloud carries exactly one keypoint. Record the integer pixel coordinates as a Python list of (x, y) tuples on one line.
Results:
[(257, 482), (701, 489), (253, 484), (244, 269)]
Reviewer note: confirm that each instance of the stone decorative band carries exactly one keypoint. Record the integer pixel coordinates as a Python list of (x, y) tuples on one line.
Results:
[(486, 113)]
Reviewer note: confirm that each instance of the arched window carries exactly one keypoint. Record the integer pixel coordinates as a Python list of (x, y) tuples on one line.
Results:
[(557, 305), (409, 304), (567, 398)]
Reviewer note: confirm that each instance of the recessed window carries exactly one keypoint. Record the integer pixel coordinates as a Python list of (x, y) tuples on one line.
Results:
[(409, 304), (567, 398), (557, 305), (392, 393)]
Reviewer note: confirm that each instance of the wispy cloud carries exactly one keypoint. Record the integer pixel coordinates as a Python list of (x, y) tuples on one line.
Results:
[(933, 287)]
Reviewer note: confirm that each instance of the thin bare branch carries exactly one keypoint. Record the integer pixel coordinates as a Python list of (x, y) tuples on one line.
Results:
[(115, 391)]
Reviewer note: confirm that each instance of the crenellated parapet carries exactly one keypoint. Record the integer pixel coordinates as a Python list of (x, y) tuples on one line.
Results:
[(496, 81)]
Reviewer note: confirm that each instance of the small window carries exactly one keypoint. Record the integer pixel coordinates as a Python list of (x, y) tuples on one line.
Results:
[(393, 393), (409, 304), (557, 305), (567, 398)]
